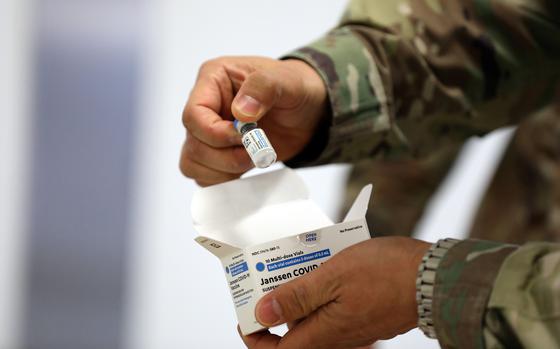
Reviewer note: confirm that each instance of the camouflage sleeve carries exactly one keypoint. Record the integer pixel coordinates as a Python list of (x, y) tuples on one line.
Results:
[(492, 295), (410, 76)]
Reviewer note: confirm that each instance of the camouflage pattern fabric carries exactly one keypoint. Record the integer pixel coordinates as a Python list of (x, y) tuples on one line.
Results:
[(406, 78), (408, 81), (524, 307), (522, 202), (461, 292)]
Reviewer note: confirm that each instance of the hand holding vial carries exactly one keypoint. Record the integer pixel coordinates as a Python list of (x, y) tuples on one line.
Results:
[(287, 98)]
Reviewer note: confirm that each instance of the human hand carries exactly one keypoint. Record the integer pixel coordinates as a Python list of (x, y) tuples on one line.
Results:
[(365, 293), (288, 95)]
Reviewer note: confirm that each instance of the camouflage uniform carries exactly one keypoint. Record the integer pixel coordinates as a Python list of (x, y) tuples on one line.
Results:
[(408, 82)]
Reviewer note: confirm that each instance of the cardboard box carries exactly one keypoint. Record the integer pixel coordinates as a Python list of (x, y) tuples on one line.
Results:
[(266, 231)]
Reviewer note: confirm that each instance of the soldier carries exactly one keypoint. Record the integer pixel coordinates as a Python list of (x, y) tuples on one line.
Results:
[(400, 81)]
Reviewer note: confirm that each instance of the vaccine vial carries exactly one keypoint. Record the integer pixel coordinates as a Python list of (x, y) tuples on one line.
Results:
[(256, 143)]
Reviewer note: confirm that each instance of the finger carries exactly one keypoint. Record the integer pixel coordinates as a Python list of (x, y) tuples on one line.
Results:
[(206, 125), (203, 175), (298, 298), (230, 160), (260, 340), (257, 95), (205, 184), (292, 324), (320, 330), (311, 333), (211, 95), (215, 88), (370, 346)]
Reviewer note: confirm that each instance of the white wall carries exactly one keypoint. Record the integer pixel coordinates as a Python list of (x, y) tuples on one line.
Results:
[(178, 293), (14, 141)]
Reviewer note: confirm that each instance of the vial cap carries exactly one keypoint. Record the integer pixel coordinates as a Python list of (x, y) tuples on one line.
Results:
[(243, 127), (238, 125)]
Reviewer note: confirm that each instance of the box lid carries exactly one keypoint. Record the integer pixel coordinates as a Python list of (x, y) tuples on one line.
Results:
[(262, 208)]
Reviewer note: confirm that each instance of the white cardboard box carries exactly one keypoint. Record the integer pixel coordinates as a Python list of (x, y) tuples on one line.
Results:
[(266, 231)]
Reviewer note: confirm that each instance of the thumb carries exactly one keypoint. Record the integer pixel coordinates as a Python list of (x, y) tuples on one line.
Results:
[(257, 95), (297, 299)]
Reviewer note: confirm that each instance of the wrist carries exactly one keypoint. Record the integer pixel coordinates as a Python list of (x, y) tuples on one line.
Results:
[(420, 249), (425, 282), (312, 79), (314, 88), (316, 111)]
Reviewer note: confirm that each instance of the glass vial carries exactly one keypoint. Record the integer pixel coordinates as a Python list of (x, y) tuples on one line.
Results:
[(256, 143)]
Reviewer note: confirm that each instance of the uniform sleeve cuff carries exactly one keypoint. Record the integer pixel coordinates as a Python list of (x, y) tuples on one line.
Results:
[(360, 122), (464, 281)]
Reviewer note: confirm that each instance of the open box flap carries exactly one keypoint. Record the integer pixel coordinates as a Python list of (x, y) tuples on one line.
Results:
[(256, 209), (217, 248), (360, 205)]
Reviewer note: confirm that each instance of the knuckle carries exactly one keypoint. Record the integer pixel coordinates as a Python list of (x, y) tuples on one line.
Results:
[(192, 148), (186, 117), (186, 168), (206, 65), (202, 183), (221, 77), (213, 134), (211, 63), (208, 130), (214, 70)]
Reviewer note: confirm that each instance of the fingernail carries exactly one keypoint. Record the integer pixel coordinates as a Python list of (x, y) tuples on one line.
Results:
[(269, 312), (248, 105)]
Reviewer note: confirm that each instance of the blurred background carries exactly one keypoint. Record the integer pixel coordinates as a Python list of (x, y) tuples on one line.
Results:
[(96, 241)]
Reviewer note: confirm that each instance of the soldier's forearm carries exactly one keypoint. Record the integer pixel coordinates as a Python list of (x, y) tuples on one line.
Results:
[(493, 295), (463, 285), (410, 77), (524, 307)]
